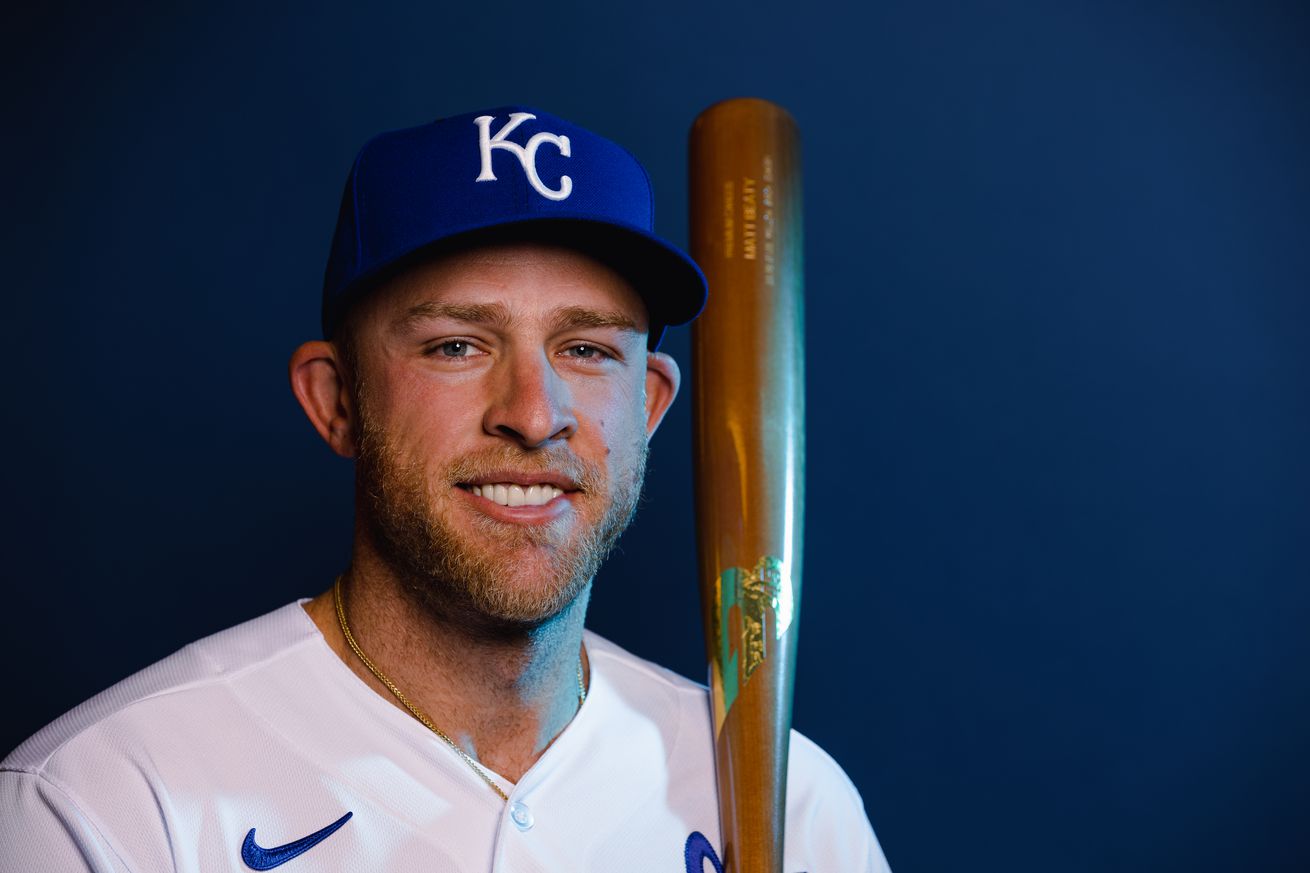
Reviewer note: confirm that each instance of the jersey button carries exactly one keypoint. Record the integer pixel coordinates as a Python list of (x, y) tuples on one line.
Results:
[(520, 815)]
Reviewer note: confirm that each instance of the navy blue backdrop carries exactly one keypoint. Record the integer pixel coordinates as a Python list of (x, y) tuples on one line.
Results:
[(1056, 604)]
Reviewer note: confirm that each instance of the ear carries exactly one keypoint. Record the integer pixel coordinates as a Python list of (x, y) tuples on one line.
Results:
[(319, 383), (662, 380)]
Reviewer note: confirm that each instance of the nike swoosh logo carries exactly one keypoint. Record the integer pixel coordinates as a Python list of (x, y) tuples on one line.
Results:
[(259, 858)]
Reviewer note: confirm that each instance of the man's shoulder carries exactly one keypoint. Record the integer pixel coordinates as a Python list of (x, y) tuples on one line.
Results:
[(812, 771), (174, 681), (826, 819)]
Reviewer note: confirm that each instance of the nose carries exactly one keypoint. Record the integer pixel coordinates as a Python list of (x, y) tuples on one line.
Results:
[(530, 403)]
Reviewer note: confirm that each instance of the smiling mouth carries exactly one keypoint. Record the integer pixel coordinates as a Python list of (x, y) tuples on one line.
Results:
[(510, 494)]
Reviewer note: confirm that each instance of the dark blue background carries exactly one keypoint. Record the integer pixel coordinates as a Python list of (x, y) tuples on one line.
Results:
[(1056, 603)]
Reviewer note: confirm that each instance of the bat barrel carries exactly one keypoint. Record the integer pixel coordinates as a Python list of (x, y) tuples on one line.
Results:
[(749, 381)]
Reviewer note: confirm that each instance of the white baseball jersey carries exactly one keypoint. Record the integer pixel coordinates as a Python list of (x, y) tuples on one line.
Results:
[(258, 747)]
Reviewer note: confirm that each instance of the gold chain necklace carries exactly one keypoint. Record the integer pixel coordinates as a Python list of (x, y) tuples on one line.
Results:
[(414, 710)]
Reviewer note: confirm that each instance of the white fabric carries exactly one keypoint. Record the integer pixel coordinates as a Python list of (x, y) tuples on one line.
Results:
[(262, 726)]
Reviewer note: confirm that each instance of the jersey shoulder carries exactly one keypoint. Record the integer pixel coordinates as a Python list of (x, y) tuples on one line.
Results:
[(210, 661), (637, 697), (643, 679), (827, 826)]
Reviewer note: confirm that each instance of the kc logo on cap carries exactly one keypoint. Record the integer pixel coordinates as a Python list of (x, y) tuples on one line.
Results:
[(430, 189), (527, 154)]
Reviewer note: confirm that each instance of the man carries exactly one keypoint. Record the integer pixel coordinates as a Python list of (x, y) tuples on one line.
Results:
[(493, 305)]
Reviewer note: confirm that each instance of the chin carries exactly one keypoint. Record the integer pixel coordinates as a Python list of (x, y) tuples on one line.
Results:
[(509, 604), (529, 588), (491, 584)]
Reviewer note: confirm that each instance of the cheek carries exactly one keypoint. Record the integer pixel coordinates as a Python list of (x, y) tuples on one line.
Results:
[(617, 417), (425, 416)]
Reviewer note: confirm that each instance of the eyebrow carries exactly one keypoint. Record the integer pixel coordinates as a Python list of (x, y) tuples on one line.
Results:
[(498, 315), (493, 314), (579, 316)]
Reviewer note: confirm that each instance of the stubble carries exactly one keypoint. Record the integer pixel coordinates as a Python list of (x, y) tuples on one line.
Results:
[(492, 576)]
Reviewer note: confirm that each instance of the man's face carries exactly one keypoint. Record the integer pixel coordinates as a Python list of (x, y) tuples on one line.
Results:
[(502, 422)]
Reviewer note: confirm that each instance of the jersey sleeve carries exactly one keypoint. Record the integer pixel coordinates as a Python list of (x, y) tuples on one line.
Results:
[(43, 828), (827, 827)]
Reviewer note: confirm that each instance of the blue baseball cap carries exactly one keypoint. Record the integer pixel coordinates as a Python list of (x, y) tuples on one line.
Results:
[(506, 173)]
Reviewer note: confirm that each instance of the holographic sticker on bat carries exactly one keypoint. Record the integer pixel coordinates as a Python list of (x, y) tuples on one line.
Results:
[(753, 594)]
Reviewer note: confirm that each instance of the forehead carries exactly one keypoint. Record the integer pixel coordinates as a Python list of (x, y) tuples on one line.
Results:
[(528, 279)]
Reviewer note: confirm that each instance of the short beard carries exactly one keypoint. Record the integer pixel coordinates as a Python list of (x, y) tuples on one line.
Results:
[(478, 584)]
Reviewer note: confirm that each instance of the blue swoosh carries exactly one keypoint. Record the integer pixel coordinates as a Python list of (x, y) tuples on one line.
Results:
[(259, 858), (697, 851)]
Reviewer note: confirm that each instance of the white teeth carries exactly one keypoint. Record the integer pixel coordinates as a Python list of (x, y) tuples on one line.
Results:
[(510, 494)]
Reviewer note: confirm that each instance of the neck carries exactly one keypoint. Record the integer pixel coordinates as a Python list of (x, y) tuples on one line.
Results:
[(502, 696)]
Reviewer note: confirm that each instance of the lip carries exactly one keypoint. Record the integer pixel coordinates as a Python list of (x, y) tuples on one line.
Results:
[(518, 477), (543, 514)]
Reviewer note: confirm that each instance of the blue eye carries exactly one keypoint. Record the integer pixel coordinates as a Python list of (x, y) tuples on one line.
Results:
[(453, 349), (585, 351)]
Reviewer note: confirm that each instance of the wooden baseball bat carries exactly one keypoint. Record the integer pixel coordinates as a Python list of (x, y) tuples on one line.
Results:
[(749, 376)]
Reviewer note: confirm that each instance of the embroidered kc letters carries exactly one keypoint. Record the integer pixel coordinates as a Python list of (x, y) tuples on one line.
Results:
[(527, 154)]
